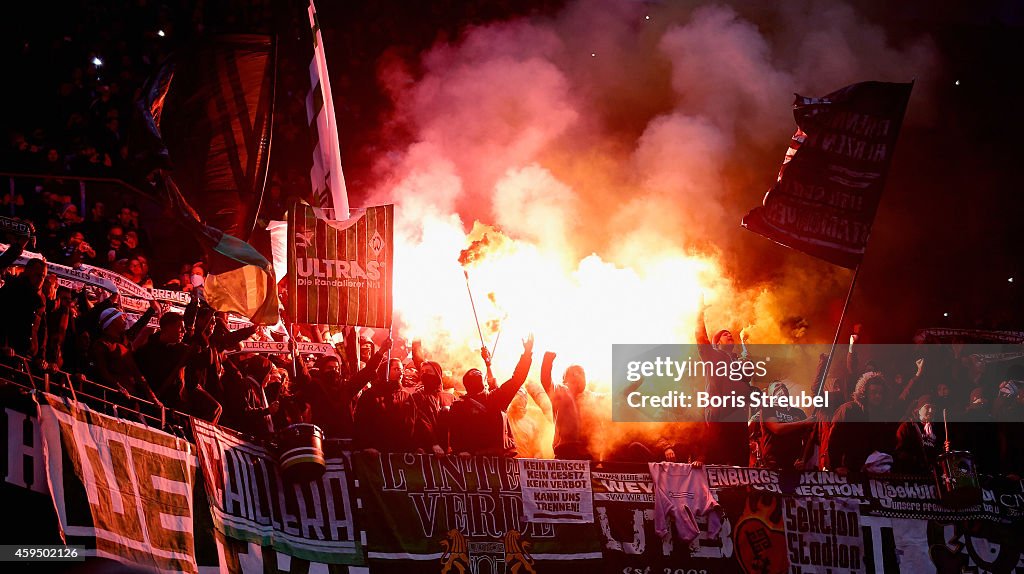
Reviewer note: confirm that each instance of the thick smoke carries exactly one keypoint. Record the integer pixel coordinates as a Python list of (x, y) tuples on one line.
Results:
[(614, 148)]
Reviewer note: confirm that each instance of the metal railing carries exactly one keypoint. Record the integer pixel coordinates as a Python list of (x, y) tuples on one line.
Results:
[(18, 371)]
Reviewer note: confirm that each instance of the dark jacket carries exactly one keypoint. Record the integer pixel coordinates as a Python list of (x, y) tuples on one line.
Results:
[(385, 418), (915, 451), (23, 327), (333, 399), (854, 436), (431, 426), (478, 423), (161, 363)]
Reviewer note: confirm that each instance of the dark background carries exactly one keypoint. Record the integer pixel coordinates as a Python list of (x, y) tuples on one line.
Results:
[(947, 234)]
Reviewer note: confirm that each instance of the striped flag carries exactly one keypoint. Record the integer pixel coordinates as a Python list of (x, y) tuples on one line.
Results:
[(206, 117), (326, 176), (204, 121), (244, 280), (340, 272)]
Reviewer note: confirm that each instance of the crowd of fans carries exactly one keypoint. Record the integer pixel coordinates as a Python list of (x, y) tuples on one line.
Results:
[(880, 418), (404, 401), (191, 364), (385, 399), (86, 68)]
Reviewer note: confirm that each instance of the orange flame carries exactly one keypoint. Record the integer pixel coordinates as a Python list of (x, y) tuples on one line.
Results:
[(578, 309)]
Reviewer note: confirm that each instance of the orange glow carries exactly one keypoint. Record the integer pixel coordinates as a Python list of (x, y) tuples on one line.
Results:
[(616, 183), (576, 308)]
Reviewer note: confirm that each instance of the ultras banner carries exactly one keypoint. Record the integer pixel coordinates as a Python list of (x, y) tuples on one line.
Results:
[(454, 514), (831, 181), (340, 272), (250, 501), (282, 348), (121, 489)]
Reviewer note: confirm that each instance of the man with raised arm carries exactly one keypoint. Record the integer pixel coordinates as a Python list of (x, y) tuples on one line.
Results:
[(478, 421), (572, 406), (727, 424)]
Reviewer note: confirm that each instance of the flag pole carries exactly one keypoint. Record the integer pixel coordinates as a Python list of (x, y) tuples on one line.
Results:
[(483, 346), (290, 328), (839, 330)]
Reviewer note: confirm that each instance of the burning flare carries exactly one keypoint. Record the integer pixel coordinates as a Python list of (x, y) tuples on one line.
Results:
[(611, 187)]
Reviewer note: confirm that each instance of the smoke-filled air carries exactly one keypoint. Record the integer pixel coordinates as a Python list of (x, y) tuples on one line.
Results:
[(588, 172)]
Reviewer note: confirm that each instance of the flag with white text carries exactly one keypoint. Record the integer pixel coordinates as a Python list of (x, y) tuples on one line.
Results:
[(832, 177), (340, 272), (121, 489)]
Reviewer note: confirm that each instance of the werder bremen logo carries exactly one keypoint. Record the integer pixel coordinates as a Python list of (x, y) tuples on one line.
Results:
[(376, 244), (462, 557)]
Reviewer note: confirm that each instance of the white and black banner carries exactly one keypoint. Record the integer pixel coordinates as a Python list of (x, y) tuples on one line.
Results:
[(250, 501), (556, 490), (328, 180)]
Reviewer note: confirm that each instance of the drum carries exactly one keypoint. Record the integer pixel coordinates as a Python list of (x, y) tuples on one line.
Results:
[(301, 452), (957, 479)]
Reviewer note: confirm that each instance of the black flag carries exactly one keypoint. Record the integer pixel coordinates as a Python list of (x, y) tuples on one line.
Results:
[(831, 181)]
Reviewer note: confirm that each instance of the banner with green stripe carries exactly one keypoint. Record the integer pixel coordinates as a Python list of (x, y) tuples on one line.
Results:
[(340, 272)]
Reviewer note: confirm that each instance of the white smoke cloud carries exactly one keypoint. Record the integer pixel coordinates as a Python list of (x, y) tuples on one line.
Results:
[(722, 71)]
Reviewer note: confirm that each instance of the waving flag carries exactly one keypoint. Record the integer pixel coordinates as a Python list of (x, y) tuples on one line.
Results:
[(831, 180), (329, 191), (208, 113), (241, 280), (205, 122)]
